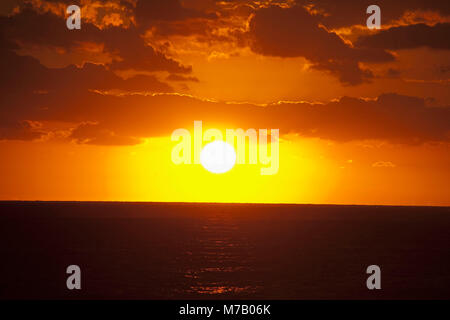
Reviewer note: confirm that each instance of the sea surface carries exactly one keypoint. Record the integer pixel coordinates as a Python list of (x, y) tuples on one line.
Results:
[(222, 251)]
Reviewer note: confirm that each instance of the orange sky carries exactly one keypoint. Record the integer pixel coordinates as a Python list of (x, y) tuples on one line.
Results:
[(364, 115)]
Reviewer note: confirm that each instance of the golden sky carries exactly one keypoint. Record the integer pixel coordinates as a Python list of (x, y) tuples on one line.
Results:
[(363, 115)]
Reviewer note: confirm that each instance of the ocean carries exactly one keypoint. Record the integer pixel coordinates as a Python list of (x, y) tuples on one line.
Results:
[(222, 251)]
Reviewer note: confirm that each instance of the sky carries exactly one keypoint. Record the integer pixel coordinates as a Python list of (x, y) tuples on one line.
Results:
[(363, 114)]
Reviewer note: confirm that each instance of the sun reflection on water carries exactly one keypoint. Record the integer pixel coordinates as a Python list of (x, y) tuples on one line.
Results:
[(222, 261)]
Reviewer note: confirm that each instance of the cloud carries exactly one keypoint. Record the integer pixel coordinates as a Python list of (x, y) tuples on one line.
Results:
[(28, 88), (20, 130), (110, 110), (177, 77), (83, 95), (148, 12), (91, 133), (383, 164), (127, 44), (391, 117), (409, 37), (27, 74), (98, 12), (294, 32), (345, 13)]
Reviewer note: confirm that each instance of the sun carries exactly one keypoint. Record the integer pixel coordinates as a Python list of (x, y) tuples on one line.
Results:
[(218, 157)]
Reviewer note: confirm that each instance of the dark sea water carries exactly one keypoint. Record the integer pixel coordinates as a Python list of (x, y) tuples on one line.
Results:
[(214, 251)]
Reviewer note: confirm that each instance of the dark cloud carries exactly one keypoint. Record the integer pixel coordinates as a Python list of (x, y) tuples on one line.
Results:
[(91, 133), (409, 37), (28, 75), (124, 119), (293, 32), (47, 29), (148, 12), (344, 13), (7, 6), (391, 117), (392, 73), (177, 77), (20, 130), (184, 19), (28, 88)]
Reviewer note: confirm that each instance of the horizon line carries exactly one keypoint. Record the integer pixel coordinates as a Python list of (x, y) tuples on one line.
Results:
[(223, 203)]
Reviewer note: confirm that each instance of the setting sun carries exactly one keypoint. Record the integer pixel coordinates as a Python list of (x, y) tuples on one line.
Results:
[(218, 157)]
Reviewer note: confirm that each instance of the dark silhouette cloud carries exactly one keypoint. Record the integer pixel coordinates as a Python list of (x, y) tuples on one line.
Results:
[(344, 13), (177, 77), (19, 130), (91, 133), (124, 119), (148, 12), (27, 88), (48, 29), (409, 37), (293, 32), (27, 74)]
